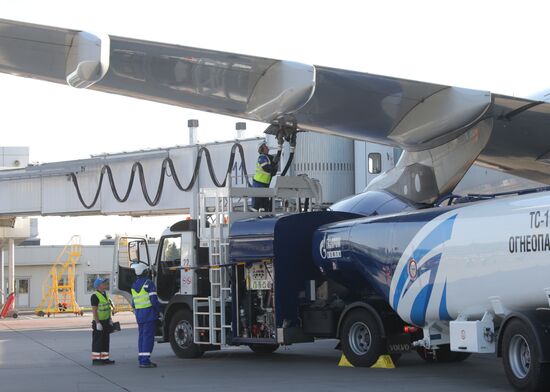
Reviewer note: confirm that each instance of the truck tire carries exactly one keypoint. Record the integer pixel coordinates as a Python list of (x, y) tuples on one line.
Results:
[(442, 355), (361, 338), (520, 357), (264, 349), (181, 335)]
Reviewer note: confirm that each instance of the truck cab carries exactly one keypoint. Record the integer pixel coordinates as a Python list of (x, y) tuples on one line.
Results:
[(179, 274)]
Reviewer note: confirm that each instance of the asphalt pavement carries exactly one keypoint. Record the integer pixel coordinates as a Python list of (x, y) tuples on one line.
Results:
[(41, 354)]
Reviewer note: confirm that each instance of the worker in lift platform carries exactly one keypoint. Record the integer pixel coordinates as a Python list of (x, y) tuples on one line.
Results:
[(147, 309), (266, 168), (102, 324)]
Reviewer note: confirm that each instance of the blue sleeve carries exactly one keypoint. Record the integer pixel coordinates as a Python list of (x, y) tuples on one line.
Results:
[(263, 159), (153, 297), (265, 163)]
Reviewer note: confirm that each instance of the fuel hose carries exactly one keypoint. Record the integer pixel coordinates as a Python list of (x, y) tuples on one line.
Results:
[(166, 166)]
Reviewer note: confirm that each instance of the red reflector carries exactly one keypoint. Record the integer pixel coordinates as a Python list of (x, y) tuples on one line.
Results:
[(409, 329)]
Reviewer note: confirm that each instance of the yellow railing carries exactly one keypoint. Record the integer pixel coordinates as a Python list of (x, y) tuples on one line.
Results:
[(58, 291)]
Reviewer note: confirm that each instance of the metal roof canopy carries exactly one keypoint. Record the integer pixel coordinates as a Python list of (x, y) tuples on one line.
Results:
[(47, 189)]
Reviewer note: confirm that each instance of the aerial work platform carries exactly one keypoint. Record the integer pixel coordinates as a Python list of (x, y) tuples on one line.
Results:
[(149, 182)]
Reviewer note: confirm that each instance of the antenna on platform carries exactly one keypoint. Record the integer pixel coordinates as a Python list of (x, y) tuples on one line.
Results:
[(241, 128), (193, 130)]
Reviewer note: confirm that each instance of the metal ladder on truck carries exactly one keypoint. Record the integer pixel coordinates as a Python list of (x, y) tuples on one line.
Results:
[(209, 313), (218, 208)]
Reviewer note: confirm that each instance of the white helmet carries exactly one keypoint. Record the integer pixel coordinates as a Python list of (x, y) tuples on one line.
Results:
[(260, 147), (139, 268)]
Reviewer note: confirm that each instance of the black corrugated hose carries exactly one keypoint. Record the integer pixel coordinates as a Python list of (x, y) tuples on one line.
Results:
[(288, 163), (167, 162)]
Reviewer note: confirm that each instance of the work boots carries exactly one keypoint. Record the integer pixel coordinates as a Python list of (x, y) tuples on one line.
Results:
[(148, 365), (102, 362)]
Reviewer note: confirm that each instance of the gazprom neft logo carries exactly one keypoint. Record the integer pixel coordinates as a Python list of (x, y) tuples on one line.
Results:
[(330, 247)]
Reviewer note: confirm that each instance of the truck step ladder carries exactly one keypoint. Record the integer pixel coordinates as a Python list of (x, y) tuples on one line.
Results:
[(218, 207), (209, 313)]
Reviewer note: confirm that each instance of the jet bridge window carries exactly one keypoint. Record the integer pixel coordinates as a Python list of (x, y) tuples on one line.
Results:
[(375, 163)]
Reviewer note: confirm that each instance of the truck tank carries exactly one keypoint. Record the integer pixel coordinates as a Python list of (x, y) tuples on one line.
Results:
[(445, 262), (363, 253), (285, 240)]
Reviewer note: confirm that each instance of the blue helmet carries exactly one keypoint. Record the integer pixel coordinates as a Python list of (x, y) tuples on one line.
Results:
[(98, 281)]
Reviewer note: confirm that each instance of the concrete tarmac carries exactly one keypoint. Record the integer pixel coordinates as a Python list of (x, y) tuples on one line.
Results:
[(54, 355)]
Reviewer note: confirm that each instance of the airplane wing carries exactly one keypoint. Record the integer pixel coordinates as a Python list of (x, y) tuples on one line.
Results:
[(352, 104), (424, 119)]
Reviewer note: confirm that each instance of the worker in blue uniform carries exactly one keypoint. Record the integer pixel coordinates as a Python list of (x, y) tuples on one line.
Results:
[(266, 167), (147, 308)]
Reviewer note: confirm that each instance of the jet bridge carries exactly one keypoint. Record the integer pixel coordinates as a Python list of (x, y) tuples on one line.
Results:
[(149, 182)]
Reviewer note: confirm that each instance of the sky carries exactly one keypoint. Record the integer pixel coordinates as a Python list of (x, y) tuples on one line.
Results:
[(500, 46)]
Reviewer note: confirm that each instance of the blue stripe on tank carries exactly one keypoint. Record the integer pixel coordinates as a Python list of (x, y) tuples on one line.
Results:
[(399, 288), (420, 305), (443, 311), (437, 236)]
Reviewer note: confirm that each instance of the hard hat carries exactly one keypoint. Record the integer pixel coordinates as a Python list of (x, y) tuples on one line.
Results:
[(139, 268), (261, 145), (99, 281)]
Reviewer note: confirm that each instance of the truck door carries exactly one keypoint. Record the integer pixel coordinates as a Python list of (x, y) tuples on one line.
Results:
[(167, 267), (175, 265), (128, 250)]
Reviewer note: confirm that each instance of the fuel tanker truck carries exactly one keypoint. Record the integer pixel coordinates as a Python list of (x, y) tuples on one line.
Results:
[(381, 274)]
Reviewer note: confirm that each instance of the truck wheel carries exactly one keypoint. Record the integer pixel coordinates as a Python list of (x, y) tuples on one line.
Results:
[(361, 338), (520, 356), (264, 349), (442, 355), (181, 335)]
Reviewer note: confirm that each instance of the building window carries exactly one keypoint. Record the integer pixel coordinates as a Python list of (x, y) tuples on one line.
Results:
[(90, 278), (375, 163), (23, 286)]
